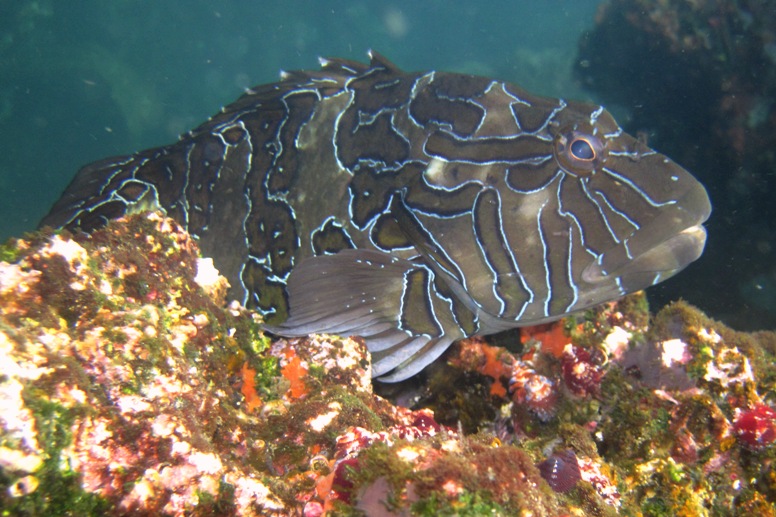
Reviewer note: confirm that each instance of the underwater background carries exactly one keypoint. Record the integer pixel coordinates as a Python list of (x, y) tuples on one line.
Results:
[(81, 81), (129, 386)]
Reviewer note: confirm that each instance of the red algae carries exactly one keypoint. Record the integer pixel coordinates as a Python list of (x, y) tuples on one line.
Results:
[(248, 389), (294, 371), (496, 369), (756, 427), (552, 337)]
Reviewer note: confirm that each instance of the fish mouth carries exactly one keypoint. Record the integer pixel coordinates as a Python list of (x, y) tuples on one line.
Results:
[(660, 249), (666, 259)]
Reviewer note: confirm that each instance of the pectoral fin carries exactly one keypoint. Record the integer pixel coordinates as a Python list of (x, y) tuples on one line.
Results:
[(392, 303)]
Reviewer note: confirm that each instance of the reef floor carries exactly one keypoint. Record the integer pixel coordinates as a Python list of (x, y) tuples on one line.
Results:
[(129, 386)]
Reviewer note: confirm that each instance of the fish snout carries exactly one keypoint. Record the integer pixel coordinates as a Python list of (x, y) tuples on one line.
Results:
[(660, 248)]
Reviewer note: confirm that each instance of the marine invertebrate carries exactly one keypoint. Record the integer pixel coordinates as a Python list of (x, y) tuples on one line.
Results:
[(423, 425), (581, 374), (541, 396), (561, 470), (534, 391)]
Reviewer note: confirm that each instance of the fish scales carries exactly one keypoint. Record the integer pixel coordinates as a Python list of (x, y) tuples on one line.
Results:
[(412, 209)]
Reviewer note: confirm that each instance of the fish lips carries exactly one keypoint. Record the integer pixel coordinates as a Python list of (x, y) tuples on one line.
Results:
[(659, 249)]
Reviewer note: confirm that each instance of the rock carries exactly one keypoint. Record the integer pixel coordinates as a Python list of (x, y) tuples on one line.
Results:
[(129, 385)]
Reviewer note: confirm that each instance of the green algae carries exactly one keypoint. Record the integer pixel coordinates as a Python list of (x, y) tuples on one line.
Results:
[(381, 461), (632, 425), (9, 251), (267, 374), (357, 410), (467, 504), (59, 489), (578, 439), (383, 472), (59, 494), (590, 327), (246, 341)]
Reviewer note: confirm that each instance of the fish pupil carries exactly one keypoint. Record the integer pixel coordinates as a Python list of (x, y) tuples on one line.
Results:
[(582, 150)]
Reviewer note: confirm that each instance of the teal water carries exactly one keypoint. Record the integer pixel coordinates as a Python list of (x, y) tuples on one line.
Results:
[(81, 81)]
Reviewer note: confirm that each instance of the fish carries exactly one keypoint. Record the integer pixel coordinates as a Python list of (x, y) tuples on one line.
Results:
[(410, 209)]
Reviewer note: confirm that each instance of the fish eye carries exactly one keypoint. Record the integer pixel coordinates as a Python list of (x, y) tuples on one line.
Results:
[(577, 152), (582, 150)]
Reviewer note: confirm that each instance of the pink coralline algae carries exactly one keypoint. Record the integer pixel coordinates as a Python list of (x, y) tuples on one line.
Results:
[(590, 471), (756, 427), (356, 439), (130, 386)]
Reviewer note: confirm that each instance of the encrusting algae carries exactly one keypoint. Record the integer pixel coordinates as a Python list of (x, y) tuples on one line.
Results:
[(128, 385)]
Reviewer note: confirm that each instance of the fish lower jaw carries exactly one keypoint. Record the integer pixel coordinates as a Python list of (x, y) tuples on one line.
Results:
[(663, 260)]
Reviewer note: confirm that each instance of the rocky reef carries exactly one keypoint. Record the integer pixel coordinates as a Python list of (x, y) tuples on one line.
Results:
[(129, 386), (697, 80)]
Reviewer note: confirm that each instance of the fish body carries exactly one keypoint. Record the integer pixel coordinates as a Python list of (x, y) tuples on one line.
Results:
[(412, 209)]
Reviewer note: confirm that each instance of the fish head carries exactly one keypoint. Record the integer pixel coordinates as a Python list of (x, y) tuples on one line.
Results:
[(568, 210), (649, 208)]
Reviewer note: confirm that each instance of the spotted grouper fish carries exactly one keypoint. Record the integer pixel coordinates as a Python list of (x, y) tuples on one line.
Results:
[(411, 209)]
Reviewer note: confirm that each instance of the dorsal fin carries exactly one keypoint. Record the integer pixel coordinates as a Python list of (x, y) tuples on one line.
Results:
[(378, 60), (338, 65)]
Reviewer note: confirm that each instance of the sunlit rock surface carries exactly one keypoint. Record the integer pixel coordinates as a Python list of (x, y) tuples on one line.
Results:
[(128, 385)]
